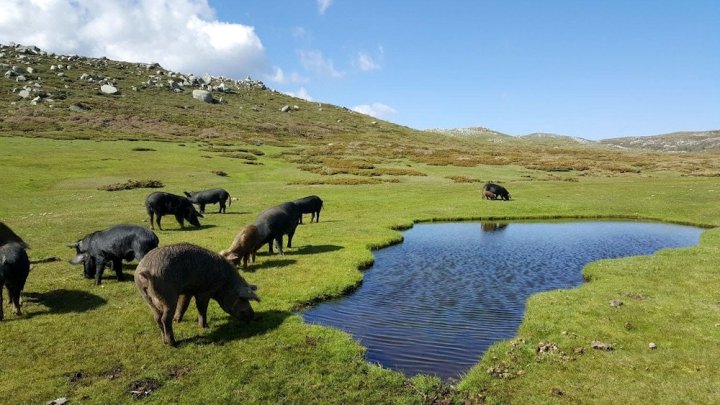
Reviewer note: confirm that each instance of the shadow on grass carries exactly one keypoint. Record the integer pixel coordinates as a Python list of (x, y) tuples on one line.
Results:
[(268, 264), (64, 301), (227, 213), (190, 228), (233, 329), (315, 249)]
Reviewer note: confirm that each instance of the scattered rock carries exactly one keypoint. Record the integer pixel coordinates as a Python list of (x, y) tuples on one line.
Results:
[(203, 95), (602, 346), (557, 392), (545, 347), (79, 107), (59, 401), (652, 346), (616, 303), (108, 89), (285, 108), (579, 350), (24, 93)]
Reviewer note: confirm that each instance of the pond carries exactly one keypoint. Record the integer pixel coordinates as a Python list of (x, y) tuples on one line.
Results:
[(436, 302)]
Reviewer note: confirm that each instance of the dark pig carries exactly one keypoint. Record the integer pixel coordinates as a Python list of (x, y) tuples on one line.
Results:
[(275, 222), (213, 196), (312, 205), (113, 245), (14, 270), (160, 203), (7, 235), (498, 190), (168, 277)]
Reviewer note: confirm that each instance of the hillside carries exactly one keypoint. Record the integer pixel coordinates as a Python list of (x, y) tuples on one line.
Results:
[(697, 141), (71, 97)]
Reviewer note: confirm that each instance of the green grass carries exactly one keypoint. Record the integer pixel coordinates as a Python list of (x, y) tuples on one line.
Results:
[(91, 343)]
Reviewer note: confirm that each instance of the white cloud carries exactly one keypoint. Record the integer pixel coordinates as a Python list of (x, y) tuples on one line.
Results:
[(279, 76), (377, 110), (366, 63), (315, 62), (181, 35), (323, 5), (301, 93)]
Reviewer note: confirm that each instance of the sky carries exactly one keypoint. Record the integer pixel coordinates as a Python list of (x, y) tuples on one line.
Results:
[(593, 69)]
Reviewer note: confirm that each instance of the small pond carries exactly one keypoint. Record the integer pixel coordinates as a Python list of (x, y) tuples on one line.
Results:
[(435, 303)]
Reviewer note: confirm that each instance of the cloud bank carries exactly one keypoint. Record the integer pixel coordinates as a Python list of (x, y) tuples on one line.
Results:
[(323, 5), (377, 110), (181, 35)]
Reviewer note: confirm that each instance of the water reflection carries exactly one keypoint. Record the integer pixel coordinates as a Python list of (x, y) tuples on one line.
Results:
[(436, 302)]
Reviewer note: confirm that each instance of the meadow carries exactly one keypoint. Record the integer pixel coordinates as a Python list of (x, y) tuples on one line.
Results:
[(99, 344)]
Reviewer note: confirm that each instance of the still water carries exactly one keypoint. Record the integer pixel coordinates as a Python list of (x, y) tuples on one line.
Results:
[(436, 302)]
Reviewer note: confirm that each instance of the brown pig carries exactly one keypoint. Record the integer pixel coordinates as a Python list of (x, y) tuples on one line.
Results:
[(168, 277), (245, 244)]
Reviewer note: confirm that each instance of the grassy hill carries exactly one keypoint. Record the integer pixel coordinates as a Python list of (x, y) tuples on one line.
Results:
[(690, 141), (100, 344)]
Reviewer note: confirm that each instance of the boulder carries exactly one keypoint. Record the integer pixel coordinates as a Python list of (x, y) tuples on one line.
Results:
[(203, 95), (108, 89)]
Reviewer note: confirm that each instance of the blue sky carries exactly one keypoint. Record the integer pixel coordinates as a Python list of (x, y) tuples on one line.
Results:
[(595, 69)]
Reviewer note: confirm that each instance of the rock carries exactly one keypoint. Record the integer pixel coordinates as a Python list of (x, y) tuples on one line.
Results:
[(79, 107), (579, 350), (108, 89), (285, 108), (59, 401), (602, 346), (20, 79), (616, 303), (203, 95), (652, 346), (24, 93)]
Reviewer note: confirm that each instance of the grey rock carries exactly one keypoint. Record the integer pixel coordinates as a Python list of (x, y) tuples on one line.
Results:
[(597, 345), (24, 93), (652, 346), (108, 89), (616, 303), (20, 78), (285, 108), (203, 95)]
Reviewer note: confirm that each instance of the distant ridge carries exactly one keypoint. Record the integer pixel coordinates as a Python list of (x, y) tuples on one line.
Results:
[(686, 141)]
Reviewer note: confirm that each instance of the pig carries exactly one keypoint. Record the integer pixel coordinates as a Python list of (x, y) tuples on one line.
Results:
[(489, 195), (275, 222), (312, 205), (168, 277), (216, 195), (243, 246), (159, 203), (7, 235), (114, 244)]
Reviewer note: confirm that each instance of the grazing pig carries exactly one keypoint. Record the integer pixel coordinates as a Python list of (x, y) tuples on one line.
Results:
[(14, 270), (159, 203), (168, 277), (489, 195), (498, 190), (310, 205), (216, 195), (7, 235), (275, 222), (243, 246), (115, 244)]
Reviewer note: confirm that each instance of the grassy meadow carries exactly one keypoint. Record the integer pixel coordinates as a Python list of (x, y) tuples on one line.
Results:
[(97, 344)]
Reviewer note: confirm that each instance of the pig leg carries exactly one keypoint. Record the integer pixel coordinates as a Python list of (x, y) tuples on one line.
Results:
[(300, 219), (202, 301), (152, 218), (202, 209), (278, 244), (290, 236), (222, 207), (99, 267), (117, 266), (159, 217), (183, 302), (15, 299), (180, 220), (166, 319)]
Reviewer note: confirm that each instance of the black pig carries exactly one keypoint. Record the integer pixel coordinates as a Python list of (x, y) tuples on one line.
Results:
[(159, 203), (216, 195), (312, 205), (115, 244)]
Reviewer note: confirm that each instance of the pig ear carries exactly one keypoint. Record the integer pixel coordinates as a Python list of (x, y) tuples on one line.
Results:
[(187, 194), (252, 287), (73, 245), (78, 259), (248, 293), (230, 256)]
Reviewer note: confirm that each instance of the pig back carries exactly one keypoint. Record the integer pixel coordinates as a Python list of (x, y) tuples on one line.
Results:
[(187, 269)]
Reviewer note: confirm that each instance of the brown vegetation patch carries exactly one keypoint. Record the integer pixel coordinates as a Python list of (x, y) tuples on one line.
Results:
[(219, 173), (143, 150), (131, 184), (178, 371), (143, 387), (463, 179), (344, 181)]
